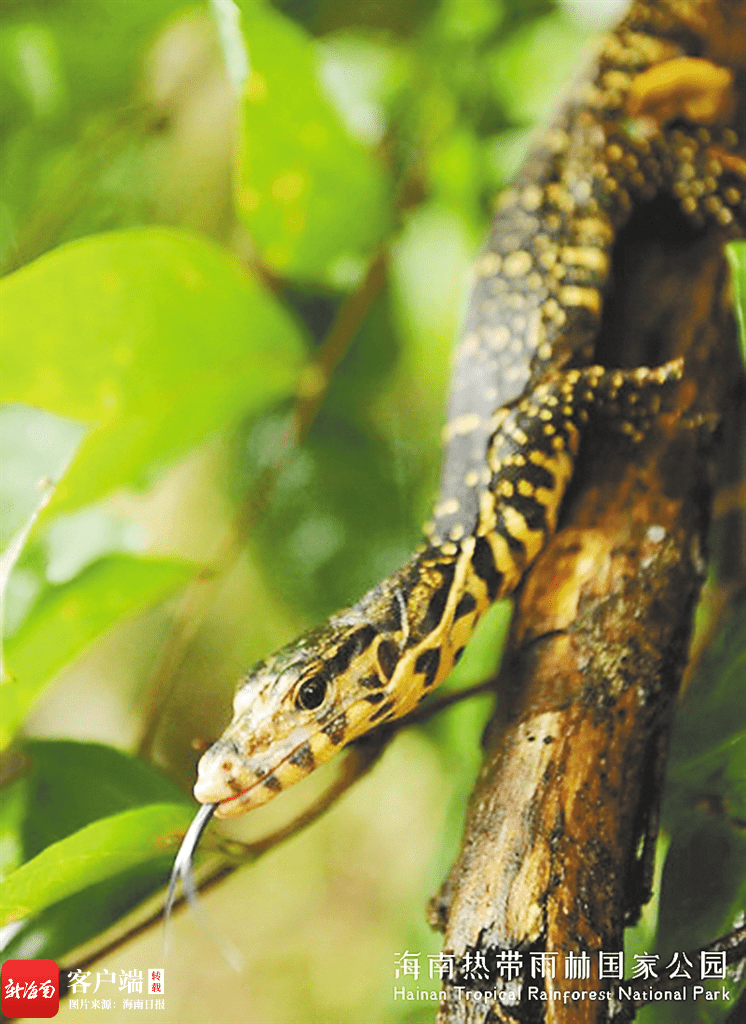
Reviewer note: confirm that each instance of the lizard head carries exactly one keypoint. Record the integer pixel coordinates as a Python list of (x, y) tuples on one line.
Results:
[(370, 663), (295, 709)]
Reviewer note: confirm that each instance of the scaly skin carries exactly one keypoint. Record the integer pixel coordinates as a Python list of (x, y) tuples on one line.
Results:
[(377, 660), (655, 115)]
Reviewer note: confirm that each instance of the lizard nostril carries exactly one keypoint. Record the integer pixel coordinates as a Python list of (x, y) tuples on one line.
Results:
[(219, 775)]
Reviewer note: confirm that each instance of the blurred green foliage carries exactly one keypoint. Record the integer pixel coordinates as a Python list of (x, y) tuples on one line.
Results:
[(702, 885), (313, 199), (177, 256), (142, 336)]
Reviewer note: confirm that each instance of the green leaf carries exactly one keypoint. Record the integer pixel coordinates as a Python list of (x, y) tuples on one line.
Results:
[(697, 906), (154, 337), (707, 762), (703, 891), (314, 200), (736, 253), (57, 798), (61, 798), (703, 810), (97, 852), (67, 924), (70, 615)]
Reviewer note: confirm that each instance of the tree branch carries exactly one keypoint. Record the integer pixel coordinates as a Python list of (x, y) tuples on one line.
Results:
[(560, 833)]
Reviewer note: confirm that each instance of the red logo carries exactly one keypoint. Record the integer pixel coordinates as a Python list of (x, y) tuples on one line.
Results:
[(30, 988)]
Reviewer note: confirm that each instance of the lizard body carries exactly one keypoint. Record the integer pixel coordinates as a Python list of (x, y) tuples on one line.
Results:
[(655, 115)]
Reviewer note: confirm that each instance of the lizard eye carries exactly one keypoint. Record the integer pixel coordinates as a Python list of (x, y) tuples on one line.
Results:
[(311, 693)]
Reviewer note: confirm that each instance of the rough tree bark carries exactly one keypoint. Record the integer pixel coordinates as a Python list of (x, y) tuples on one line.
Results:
[(558, 844)]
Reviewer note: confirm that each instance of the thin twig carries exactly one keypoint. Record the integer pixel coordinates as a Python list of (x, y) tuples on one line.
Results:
[(361, 757)]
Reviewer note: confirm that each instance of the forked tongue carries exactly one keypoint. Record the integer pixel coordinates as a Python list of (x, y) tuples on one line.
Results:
[(184, 869)]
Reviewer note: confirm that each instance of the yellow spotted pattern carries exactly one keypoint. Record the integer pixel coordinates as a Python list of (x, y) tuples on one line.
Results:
[(650, 119)]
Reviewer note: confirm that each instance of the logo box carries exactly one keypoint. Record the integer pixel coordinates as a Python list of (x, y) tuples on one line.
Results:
[(30, 988)]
